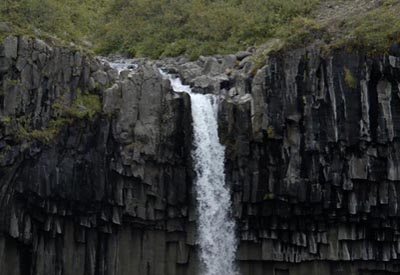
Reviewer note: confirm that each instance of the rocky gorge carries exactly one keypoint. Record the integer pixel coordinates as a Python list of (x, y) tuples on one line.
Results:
[(96, 173)]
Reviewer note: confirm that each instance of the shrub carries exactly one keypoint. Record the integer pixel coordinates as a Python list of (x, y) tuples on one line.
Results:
[(260, 57), (23, 131), (5, 120), (300, 31), (351, 81), (85, 105)]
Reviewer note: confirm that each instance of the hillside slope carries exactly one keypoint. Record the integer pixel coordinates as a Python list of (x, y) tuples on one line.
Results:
[(198, 27)]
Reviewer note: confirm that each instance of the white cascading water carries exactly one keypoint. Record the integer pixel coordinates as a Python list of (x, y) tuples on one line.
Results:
[(216, 228)]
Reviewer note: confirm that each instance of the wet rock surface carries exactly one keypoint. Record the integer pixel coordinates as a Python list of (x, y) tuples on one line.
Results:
[(312, 158)]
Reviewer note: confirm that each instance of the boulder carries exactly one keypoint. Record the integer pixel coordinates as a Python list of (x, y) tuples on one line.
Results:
[(242, 55), (101, 78)]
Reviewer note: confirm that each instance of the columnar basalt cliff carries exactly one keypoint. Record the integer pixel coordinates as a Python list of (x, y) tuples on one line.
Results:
[(86, 190), (314, 157), (96, 175)]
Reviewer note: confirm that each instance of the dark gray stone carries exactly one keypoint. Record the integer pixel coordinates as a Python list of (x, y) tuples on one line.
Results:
[(11, 47), (242, 55), (312, 163)]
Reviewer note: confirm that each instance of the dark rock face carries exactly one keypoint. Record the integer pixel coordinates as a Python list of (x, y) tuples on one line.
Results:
[(312, 158), (111, 193)]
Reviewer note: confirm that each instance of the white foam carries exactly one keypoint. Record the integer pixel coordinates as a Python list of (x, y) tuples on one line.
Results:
[(216, 230), (121, 65)]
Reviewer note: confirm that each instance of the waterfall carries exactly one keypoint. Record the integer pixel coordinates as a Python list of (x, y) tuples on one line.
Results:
[(216, 227)]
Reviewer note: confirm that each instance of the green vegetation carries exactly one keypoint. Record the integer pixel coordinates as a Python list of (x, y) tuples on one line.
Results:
[(157, 28), (374, 31), (260, 57), (23, 131), (351, 81), (271, 132), (301, 31), (5, 119), (68, 20), (196, 27), (269, 196), (13, 82), (84, 106)]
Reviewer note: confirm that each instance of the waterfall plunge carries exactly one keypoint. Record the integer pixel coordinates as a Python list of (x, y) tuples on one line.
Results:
[(216, 227)]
